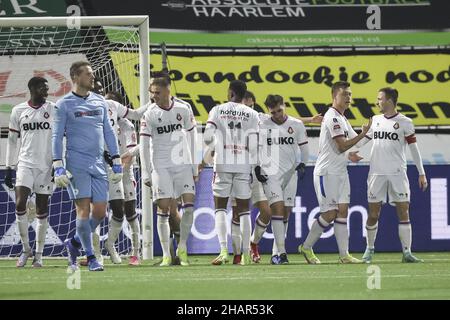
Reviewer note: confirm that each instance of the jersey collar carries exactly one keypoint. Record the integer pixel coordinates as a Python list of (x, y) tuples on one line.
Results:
[(337, 111), (171, 105), (391, 116), (285, 119), (35, 107)]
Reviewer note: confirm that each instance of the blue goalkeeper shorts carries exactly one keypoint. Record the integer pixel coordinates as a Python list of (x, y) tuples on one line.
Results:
[(88, 182)]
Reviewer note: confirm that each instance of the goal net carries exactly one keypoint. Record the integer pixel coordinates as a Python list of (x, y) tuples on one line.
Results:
[(47, 47)]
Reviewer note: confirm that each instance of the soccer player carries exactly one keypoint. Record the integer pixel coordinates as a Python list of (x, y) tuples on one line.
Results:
[(284, 151), (331, 181), (123, 197), (83, 116), (228, 130), (31, 121), (391, 132), (168, 165)]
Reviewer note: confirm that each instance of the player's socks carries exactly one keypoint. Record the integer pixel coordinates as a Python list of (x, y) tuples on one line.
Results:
[(404, 232), (246, 231), (236, 238), (164, 232), (22, 224), (115, 226), (135, 227), (341, 233), (278, 233), (84, 233), (41, 231), (316, 231), (371, 235), (258, 232), (186, 225), (221, 227), (94, 223)]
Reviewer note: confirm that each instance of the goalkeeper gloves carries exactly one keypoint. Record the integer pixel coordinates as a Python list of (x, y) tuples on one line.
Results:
[(108, 158), (116, 167), (8, 178), (259, 175), (61, 176), (301, 168)]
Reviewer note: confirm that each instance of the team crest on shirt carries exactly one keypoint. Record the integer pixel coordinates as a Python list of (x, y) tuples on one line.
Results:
[(290, 130), (179, 117), (110, 112), (396, 126), (46, 115), (335, 120), (336, 127)]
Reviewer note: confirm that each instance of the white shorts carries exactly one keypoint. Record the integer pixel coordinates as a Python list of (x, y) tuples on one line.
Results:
[(274, 191), (257, 193), (115, 189), (394, 186), (129, 185), (172, 182), (236, 185), (332, 190), (37, 180)]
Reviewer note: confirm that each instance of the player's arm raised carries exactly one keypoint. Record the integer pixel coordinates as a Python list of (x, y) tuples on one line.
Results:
[(344, 144)]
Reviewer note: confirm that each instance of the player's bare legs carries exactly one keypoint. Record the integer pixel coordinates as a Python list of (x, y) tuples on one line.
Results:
[(185, 226), (236, 238), (22, 194), (261, 223), (371, 229), (404, 232), (221, 229), (164, 229)]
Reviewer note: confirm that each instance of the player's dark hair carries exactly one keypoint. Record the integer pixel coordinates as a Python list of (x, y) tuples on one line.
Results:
[(249, 95), (35, 81), (114, 95), (390, 93), (239, 88), (339, 85), (75, 68), (160, 78), (273, 100)]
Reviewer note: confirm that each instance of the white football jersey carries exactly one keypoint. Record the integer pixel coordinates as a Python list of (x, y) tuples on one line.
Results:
[(390, 137), (280, 143), (33, 124), (116, 110), (167, 128), (234, 123), (126, 135), (330, 160)]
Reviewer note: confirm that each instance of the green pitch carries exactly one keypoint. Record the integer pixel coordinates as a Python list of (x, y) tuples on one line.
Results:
[(429, 280)]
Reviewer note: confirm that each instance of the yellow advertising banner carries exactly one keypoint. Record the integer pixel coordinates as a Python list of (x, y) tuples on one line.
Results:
[(304, 81)]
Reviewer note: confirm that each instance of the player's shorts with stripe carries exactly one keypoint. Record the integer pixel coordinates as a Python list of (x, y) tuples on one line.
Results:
[(173, 182), (275, 192), (37, 180), (129, 184), (257, 193), (236, 185), (88, 182), (396, 187), (332, 190)]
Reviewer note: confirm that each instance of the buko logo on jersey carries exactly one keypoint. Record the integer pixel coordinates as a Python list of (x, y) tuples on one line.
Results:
[(385, 135), (169, 128), (36, 126), (280, 140)]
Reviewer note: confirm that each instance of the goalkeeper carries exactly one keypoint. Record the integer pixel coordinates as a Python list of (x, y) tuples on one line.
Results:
[(83, 116)]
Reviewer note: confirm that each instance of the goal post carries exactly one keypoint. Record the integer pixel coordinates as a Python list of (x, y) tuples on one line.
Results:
[(77, 36)]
